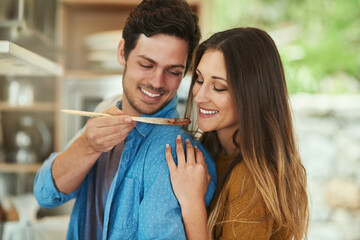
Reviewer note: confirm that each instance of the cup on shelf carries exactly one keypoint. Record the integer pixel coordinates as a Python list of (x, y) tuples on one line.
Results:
[(20, 93)]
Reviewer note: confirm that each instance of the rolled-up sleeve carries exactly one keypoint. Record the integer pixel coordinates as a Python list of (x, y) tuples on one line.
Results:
[(45, 190)]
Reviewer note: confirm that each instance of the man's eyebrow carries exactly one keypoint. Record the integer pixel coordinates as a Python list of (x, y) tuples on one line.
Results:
[(213, 77), (154, 62), (148, 59)]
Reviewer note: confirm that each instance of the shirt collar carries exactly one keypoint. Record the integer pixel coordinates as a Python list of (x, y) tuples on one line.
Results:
[(169, 111)]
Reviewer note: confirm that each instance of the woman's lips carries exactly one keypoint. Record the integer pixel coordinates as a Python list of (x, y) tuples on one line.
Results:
[(207, 112)]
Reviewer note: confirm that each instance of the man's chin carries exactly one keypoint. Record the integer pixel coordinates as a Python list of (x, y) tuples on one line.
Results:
[(150, 109)]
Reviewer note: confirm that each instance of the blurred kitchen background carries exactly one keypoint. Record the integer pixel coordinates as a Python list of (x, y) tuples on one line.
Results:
[(57, 54)]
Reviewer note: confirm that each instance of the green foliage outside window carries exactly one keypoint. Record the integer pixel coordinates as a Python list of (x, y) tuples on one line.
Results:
[(319, 40)]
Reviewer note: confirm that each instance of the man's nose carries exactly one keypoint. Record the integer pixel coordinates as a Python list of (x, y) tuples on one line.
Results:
[(157, 79)]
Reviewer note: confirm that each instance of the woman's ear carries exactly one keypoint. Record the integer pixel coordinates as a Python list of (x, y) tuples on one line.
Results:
[(121, 53)]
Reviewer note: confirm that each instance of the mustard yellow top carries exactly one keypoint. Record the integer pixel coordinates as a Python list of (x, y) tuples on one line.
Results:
[(243, 213)]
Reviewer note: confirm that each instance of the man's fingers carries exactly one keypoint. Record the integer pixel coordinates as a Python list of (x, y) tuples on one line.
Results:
[(113, 111), (117, 117), (115, 120), (97, 131), (169, 159), (180, 152)]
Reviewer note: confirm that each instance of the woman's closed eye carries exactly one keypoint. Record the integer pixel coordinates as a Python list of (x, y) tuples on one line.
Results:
[(219, 89), (215, 87), (198, 81)]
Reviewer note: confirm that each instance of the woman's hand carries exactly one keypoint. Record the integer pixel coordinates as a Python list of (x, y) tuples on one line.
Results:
[(190, 178)]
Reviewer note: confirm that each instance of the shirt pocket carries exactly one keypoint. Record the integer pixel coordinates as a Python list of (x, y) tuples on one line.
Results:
[(125, 210)]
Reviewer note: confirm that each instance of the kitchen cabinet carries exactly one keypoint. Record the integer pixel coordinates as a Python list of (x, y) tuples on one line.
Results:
[(29, 98), (79, 19), (29, 104)]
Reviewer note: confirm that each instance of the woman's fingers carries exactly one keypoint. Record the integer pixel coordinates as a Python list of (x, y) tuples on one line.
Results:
[(190, 154), (199, 156), (180, 152), (200, 159), (169, 159)]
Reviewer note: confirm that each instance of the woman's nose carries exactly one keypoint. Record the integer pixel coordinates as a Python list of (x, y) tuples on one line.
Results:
[(201, 94)]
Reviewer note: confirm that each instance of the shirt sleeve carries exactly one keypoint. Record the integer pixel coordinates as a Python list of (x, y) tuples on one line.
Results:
[(45, 191), (44, 188)]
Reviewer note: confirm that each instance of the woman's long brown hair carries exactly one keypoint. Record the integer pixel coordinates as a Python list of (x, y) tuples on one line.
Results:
[(265, 138)]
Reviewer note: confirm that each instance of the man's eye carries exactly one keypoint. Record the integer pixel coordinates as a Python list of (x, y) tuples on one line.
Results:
[(174, 73), (145, 66)]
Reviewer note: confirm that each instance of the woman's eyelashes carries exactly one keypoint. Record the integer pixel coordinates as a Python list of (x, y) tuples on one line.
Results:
[(198, 81), (216, 87), (219, 89)]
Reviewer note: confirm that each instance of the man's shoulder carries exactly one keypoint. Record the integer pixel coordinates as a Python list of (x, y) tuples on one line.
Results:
[(164, 133), (107, 103)]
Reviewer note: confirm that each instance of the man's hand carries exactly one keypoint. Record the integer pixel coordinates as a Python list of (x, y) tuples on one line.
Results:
[(103, 133)]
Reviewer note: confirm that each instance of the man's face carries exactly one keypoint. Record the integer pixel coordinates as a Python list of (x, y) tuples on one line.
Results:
[(152, 73)]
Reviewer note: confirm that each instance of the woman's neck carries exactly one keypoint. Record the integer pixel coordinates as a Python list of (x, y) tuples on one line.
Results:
[(227, 141)]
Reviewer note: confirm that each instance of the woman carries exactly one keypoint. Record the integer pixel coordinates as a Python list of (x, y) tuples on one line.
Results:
[(244, 116)]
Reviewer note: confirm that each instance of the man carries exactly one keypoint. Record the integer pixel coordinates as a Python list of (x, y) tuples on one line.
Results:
[(116, 168)]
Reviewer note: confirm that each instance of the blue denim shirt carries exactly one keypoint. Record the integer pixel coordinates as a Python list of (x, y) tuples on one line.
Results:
[(140, 202)]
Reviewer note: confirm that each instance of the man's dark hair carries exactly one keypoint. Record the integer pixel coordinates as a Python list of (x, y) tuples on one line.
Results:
[(171, 17)]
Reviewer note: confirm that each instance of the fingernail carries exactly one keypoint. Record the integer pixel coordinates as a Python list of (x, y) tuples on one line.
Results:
[(195, 147), (167, 145), (178, 137), (187, 140), (127, 119)]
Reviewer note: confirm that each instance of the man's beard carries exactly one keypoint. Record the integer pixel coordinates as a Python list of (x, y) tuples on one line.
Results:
[(130, 98)]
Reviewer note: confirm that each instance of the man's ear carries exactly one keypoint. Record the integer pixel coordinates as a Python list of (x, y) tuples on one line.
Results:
[(121, 53)]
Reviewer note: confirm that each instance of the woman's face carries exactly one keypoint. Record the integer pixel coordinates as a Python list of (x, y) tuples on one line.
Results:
[(216, 108)]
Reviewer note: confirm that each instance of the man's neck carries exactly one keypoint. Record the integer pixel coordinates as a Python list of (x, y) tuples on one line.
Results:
[(128, 109)]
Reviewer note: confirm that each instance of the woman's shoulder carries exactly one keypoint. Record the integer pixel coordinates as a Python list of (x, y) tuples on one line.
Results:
[(240, 176), (241, 185)]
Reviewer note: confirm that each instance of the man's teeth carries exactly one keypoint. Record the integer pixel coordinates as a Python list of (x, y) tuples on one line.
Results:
[(149, 93), (207, 112)]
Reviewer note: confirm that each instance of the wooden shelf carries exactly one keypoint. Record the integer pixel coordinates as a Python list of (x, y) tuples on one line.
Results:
[(36, 107), (17, 61), (85, 74), (103, 2), (112, 2), (19, 168)]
